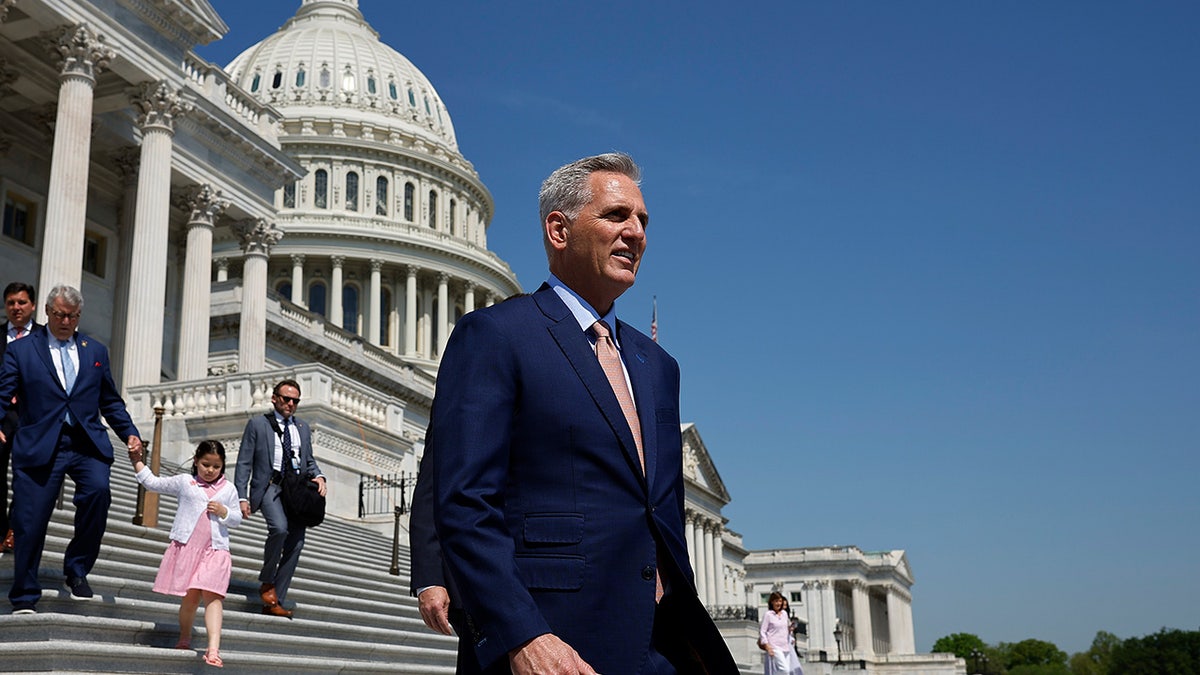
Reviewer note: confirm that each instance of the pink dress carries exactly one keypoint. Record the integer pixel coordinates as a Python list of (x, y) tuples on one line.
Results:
[(196, 564)]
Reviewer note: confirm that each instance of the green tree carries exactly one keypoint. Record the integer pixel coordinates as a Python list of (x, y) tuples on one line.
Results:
[(1033, 653), (959, 644), (1098, 659), (1167, 652)]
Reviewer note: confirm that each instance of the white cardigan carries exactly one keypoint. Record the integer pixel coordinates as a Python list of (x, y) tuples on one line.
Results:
[(193, 501)]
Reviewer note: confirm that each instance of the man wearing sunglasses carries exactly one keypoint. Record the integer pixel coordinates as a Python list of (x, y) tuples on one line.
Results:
[(271, 444)]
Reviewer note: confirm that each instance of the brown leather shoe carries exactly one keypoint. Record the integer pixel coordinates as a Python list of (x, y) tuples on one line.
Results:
[(267, 593), (277, 610), (8, 544)]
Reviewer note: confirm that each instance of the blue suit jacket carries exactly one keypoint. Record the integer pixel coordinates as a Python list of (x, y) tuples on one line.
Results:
[(257, 453), (545, 520), (28, 373)]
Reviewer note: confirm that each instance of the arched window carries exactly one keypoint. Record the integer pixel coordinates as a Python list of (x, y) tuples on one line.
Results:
[(289, 195), (316, 297), (370, 82), (352, 191), (321, 189), (381, 196), (408, 201), (454, 217), (433, 209), (300, 75), (326, 79), (392, 90), (427, 110), (348, 83), (255, 82), (277, 79), (284, 288), (350, 308), (412, 99)]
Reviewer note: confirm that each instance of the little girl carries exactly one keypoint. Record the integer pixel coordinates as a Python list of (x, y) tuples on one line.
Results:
[(197, 564)]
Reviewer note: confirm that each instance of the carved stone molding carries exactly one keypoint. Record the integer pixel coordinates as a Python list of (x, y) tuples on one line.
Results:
[(337, 260), (159, 105), (127, 159), (203, 202), (81, 52), (256, 235)]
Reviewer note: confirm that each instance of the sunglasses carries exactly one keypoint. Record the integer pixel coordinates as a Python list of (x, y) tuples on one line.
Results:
[(288, 399)]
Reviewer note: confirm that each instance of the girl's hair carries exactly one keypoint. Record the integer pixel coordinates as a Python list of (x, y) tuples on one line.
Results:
[(209, 448)]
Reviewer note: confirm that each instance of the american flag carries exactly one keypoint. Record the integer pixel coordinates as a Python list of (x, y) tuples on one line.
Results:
[(654, 321)]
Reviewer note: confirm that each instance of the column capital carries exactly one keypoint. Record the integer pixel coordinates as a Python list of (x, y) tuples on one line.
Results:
[(127, 160), (158, 105), (337, 260), (204, 203), (443, 277), (81, 51), (376, 264), (257, 235), (411, 271), (222, 264), (297, 258)]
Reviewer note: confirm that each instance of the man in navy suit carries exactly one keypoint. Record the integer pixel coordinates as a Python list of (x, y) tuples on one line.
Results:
[(559, 521), (19, 308), (271, 444), (62, 381)]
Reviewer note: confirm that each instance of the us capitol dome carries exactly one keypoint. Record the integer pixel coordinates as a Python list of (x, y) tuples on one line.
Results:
[(386, 234)]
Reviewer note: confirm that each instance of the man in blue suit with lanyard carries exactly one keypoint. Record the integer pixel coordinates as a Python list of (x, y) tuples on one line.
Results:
[(557, 460), (62, 380)]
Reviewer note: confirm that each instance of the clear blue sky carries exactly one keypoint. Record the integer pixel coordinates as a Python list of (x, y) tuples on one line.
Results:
[(931, 269)]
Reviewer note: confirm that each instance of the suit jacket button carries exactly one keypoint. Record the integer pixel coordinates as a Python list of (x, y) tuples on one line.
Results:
[(648, 572)]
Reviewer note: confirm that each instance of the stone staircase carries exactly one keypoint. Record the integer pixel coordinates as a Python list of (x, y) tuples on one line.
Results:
[(352, 616)]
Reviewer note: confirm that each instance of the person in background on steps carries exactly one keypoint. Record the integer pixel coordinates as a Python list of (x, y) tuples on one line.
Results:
[(63, 384), (19, 309), (197, 564), (271, 444)]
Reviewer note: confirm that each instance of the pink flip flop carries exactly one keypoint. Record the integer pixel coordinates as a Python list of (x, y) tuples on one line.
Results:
[(214, 660)]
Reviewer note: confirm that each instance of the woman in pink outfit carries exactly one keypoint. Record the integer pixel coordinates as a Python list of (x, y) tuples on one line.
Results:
[(775, 638), (197, 565)]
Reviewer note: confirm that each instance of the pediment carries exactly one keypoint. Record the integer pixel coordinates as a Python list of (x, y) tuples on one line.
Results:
[(698, 467)]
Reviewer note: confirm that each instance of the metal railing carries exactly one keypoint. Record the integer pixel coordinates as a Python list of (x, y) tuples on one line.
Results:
[(733, 613), (385, 494)]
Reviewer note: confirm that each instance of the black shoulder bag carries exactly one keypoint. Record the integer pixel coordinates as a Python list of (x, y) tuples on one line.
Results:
[(301, 496)]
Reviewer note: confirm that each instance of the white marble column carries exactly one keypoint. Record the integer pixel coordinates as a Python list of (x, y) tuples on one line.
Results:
[(443, 312), (491, 299), (690, 536), (718, 565), (410, 311), (909, 642), (298, 279), (375, 301), (895, 620), (863, 642), (709, 581), (126, 161), (83, 54), (829, 621), (426, 322), (257, 236), (469, 298), (158, 106), (336, 315), (222, 269), (205, 205)]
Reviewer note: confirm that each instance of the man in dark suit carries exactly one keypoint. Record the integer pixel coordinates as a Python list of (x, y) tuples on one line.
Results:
[(18, 307), (62, 381), (557, 459), (269, 447)]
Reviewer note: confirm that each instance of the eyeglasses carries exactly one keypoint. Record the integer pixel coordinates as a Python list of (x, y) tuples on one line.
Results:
[(64, 316), (289, 399)]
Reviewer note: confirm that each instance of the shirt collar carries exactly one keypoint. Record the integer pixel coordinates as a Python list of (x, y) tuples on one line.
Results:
[(585, 315)]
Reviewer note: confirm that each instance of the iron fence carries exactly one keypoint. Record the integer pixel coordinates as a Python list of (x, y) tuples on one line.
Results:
[(385, 494)]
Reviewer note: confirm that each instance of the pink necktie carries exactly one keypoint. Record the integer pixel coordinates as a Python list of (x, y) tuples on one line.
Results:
[(20, 334), (610, 361)]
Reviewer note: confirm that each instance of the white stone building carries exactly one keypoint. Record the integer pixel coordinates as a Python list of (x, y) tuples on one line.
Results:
[(307, 213)]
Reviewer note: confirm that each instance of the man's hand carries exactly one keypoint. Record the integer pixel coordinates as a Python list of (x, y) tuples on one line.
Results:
[(3, 438), (134, 444), (245, 509), (320, 481), (435, 609), (546, 654)]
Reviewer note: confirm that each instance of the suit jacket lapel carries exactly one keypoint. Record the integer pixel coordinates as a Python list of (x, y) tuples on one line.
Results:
[(578, 350), (43, 355)]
